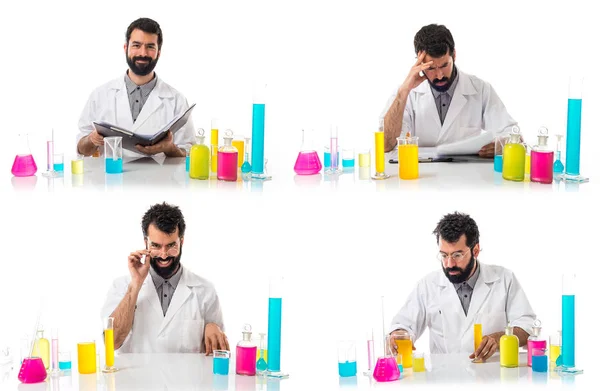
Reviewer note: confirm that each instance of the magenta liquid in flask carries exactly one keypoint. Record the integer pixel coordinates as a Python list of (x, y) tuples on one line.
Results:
[(227, 159), (245, 354), (24, 164), (542, 159), (308, 161)]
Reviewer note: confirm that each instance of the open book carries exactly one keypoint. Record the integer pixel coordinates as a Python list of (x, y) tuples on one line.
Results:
[(131, 139)]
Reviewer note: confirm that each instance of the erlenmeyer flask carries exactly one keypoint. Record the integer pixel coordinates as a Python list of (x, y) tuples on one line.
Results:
[(307, 162), (24, 164)]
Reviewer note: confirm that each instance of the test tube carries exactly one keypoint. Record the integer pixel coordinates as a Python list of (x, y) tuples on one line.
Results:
[(50, 173), (214, 144), (274, 328), (258, 132), (370, 353), (334, 154), (574, 128), (568, 321), (55, 367), (109, 347)]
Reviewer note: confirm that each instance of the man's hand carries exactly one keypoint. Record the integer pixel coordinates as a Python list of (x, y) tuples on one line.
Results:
[(488, 150), (487, 347), (396, 335), (96, 138), (214, 338), (414, 79), (137, 269), (166, 145)]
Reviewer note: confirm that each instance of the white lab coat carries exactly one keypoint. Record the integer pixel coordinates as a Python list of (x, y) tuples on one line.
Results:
[(434, 304), (181, 330), (475, 107), (110, 103)]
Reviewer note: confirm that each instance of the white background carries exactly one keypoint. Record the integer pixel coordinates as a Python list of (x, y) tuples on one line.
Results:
[(325, 62)]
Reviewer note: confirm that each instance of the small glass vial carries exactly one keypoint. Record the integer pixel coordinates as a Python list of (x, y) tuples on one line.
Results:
[(542, 159), (245, 353), (513, 157), (261, 363), (227, 159), (558, 167)]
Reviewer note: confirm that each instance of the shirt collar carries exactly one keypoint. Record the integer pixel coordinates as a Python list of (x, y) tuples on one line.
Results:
[(450, 91), (145, 88), (472, 280), (173, 280)]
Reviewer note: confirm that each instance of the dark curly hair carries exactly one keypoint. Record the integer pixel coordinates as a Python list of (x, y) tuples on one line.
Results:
[(452, 226), (146, 25), (167, 218), (436, 40)]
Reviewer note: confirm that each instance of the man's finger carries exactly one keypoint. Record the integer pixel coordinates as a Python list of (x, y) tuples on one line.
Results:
[(222, 342), (208, 346)]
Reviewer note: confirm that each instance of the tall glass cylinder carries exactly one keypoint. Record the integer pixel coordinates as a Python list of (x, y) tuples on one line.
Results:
[(574, 126), (568, 321), (109, 346), (258, 131), (274, 327)]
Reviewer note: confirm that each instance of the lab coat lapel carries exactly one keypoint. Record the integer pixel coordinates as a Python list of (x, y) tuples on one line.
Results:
[(459, 100), (122, 108), (148, 291), (480, 295), (453, 316), (152, 105), (181, 295), (428, 124)]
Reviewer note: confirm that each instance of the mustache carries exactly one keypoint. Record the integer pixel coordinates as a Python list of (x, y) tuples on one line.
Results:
[(454, 269), (157, 259), (443, 79), (142, 58)]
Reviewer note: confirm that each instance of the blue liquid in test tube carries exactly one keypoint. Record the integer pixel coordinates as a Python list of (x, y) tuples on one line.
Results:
[(573, 136), (498, 163), (274, 335), (568, 322)]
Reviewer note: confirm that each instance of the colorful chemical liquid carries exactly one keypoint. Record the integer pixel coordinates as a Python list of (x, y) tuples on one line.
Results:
[(498, 163), (41, 349), (64, 365), (542, 166), (113, 166), (264, 352), (245, 360), (419, 364), (559, 168), (327, 159), (227, 166), (364, 159), (513, 165), (214, 147), (258, 138), (404, 352), (24, 165), (509, 351), (307, 163), (573, 136), (568, 331), (59, 167), (239, 145), (77, 166), (86, 357), (246, 167), (347, 369), (539, 363), (334, 154), (347, 163), (379, 152), (386, 369), (477, 336), (221, 366), (274, 334), (199, 162), (54, 353), (554, 353), (408, 162), (187, 163), (261, 364), (534, 345), (527, 164), (109, 347)]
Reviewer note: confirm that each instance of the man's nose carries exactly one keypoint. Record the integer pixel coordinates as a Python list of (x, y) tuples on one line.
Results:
[(439, 74)]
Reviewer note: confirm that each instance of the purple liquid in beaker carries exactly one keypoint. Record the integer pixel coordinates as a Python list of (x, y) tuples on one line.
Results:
[(308, 163), (24, 165)]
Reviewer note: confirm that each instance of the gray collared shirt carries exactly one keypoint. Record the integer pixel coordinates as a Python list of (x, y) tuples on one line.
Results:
[(138, 94), (465, 290), (165, 287), (443, 99)]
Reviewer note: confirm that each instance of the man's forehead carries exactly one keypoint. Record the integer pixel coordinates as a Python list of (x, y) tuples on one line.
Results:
[(438, 60), (138, 35)]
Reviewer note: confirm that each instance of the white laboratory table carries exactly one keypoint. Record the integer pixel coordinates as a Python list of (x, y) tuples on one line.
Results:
[(145, 174), (194, 372)]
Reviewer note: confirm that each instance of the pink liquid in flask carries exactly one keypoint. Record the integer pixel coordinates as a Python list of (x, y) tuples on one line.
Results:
[(245, 360), (542, 166), (24, 165), (386, 369), (534, 345), (227, 165), (308, 163)]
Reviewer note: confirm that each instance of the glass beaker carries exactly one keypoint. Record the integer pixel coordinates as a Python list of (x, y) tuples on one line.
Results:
[(86, 357), (221, 362), (307, 162), (539, 360), (380, 156), (113, 156), (347, 358), (64, 361), (408, 158), (109, 347), (364, 158), (24, 164), (404, 346), (227, 159), (418, 362), (347, 158), (499, 143), (59, 162), (77, 165)]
